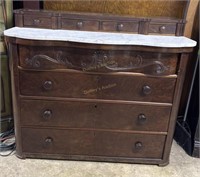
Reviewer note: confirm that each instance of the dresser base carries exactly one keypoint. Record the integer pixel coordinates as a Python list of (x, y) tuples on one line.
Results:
[(159, 162)]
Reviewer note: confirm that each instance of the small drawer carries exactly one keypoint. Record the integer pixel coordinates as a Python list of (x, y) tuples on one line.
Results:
[(132, 87), (90, 25), (91, 60), (37, 21), (162, 28), (95, 115), (120, 26)]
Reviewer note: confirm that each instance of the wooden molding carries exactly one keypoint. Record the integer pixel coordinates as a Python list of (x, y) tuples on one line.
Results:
[(190, 17)]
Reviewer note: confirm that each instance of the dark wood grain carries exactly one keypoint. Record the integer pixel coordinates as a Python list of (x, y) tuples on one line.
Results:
[(69, 103), (98, 22), (95, 115), (70, 142), (77, 142), (176, 100), (92, 60), (125, 145), (96, 86)]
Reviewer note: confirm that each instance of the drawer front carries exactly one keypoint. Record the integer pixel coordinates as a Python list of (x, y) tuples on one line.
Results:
[(91, 60), (37, 21), (95, 115), (94, 143), (120, 26), (162, 28), (70, 24), (52, 141), (129, 145), (110, 87)]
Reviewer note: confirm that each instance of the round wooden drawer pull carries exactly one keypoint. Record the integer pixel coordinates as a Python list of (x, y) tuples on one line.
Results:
[(48, 85), (146, 90), (162, 29), (120, 27), (47, 114), (48, 140), (138, 145), (36, 21), (79, 25), (142, 118)]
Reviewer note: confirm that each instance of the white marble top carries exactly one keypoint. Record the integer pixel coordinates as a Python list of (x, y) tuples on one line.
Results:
[(99, 37)]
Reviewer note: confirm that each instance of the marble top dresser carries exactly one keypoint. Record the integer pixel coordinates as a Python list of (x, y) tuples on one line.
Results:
[(99, 96)]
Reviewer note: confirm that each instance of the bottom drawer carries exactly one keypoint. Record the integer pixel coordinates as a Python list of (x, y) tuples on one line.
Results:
[(92, 143)]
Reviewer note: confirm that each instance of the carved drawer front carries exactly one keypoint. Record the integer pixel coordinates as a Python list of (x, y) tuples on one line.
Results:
[(120, 26), (162, 28), (37, 21), (129, 145), (90, 60), (70, 24), (94, 143), (110, 86), (95, 115), (53, 141)]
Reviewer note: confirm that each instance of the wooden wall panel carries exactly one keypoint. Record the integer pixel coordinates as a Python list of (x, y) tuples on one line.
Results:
[(150, 8), (192, 9)]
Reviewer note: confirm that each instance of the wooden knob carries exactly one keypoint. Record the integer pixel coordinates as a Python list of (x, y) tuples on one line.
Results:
[(138, 145), (48, 85), (142, 118), (79, 25), (48, 140), (159, 69), (120, 27), (146, 90), (36, 21), (47, 114), (162, 29)]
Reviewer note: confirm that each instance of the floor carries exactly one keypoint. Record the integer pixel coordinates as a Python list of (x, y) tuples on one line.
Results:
[(181, 165)]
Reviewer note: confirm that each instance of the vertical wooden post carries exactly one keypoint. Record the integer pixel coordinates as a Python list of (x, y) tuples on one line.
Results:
[(194, 4)]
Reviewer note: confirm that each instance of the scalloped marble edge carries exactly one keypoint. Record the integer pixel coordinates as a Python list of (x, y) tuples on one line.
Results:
[(108, 38)]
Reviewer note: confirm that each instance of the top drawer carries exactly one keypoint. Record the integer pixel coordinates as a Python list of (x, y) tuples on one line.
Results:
[(37, 21), (158, 28), (80, 24), (120, 26), (97, 60)]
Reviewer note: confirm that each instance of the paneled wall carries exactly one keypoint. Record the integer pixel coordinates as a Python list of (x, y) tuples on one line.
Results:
[(150, 8)]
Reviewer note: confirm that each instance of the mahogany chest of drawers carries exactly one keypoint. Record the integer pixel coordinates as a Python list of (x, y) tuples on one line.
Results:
[(96, 95)]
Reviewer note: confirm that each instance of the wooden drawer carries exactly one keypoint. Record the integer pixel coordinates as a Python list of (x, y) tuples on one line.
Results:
[(120, 26), (162, 28), (37, 21), (132, 87), (129, 145), (95, 115), (101, 22), (91, 60), (72, 24), (52, 141), (93, 143)]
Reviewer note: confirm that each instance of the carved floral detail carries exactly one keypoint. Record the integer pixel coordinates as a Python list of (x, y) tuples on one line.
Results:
[(136, 62), (35, 60), (98, 60)]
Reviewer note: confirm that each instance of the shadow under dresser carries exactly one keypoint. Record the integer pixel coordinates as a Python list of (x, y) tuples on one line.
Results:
[(100, 96)]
